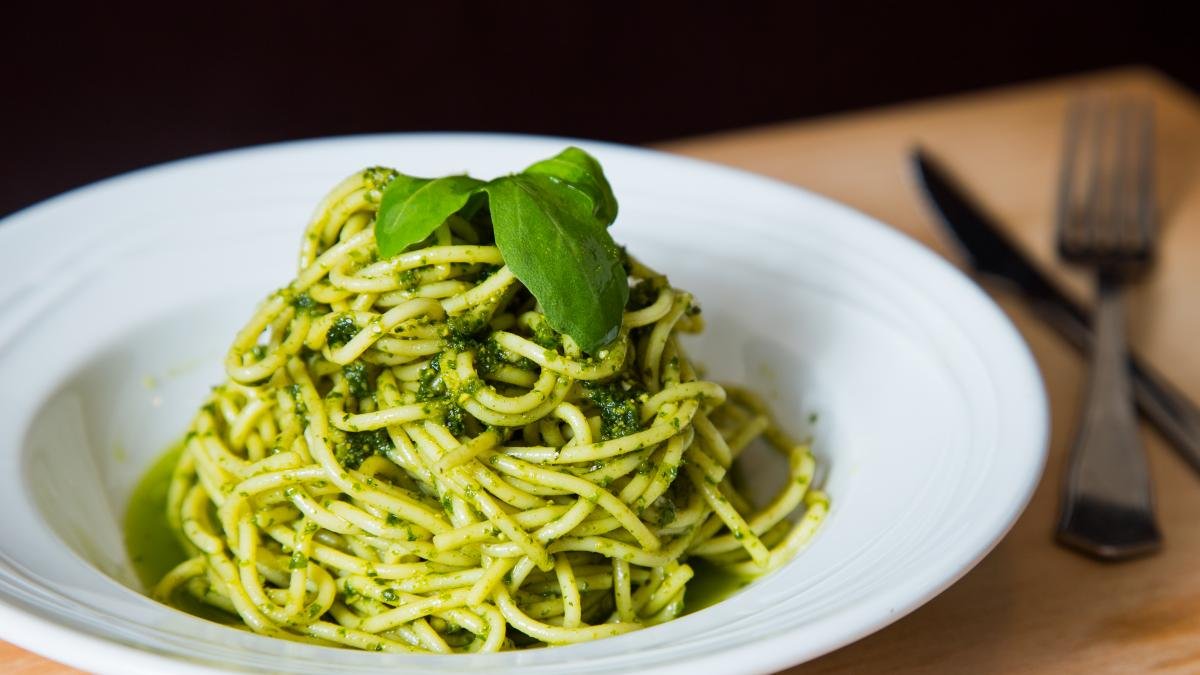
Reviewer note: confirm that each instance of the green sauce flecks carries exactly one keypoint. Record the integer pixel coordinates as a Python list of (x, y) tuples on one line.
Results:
[(342, 331), (151, 543), (360, 445), (619, 407), (710, 585)]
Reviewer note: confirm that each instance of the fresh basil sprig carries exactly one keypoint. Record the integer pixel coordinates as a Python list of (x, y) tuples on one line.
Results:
[(580, 171), (550, 223), (412, 208)]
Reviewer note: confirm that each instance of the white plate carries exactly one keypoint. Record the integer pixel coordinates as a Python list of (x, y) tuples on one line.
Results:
[(117, 302)]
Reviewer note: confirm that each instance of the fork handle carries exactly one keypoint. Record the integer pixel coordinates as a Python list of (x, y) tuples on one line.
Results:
[(1169, 409), (1108, 505)]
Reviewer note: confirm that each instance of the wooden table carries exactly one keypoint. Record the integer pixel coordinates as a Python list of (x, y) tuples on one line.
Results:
[(1030, 606)]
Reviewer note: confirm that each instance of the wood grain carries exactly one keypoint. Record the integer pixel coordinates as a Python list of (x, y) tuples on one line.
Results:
[(1030, 606)]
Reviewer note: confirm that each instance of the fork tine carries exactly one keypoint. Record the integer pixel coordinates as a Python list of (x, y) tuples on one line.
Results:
[(1106, 201), (1117, 224), (1068, 221), (1145, 216), (1097, 194)]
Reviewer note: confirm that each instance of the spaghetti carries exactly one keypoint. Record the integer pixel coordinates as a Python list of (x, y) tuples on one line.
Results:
[(407, 457)]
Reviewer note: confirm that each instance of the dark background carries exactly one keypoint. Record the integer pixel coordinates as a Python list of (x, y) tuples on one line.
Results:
[(95, 89)]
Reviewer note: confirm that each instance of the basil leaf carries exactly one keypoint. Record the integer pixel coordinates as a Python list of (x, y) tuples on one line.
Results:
[(582, 172), (412, 208), (556, 246)]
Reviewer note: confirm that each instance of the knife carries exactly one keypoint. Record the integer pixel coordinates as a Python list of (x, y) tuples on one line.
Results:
[(990, 252)]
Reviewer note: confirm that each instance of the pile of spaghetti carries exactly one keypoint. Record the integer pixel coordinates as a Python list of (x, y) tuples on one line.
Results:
[(407, 457)]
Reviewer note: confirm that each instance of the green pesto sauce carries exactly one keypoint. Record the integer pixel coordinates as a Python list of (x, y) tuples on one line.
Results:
[(710, 585), (152, 545)]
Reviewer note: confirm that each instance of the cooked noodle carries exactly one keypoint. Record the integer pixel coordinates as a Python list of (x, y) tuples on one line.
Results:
[(406, 457)]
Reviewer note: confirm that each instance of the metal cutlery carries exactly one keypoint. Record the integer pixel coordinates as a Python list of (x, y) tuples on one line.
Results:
[(1105, 223), (990, 252)]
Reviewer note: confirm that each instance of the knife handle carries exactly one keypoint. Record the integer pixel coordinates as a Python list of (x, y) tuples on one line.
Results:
[(1168, 409)]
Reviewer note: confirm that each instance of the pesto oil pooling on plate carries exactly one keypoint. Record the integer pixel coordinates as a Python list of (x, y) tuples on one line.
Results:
[(468, 425)]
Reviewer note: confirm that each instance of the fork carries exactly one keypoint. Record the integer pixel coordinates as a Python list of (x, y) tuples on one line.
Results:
[(1106, 222)]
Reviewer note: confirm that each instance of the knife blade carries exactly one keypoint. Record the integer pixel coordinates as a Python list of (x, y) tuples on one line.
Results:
[(991, 253)]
